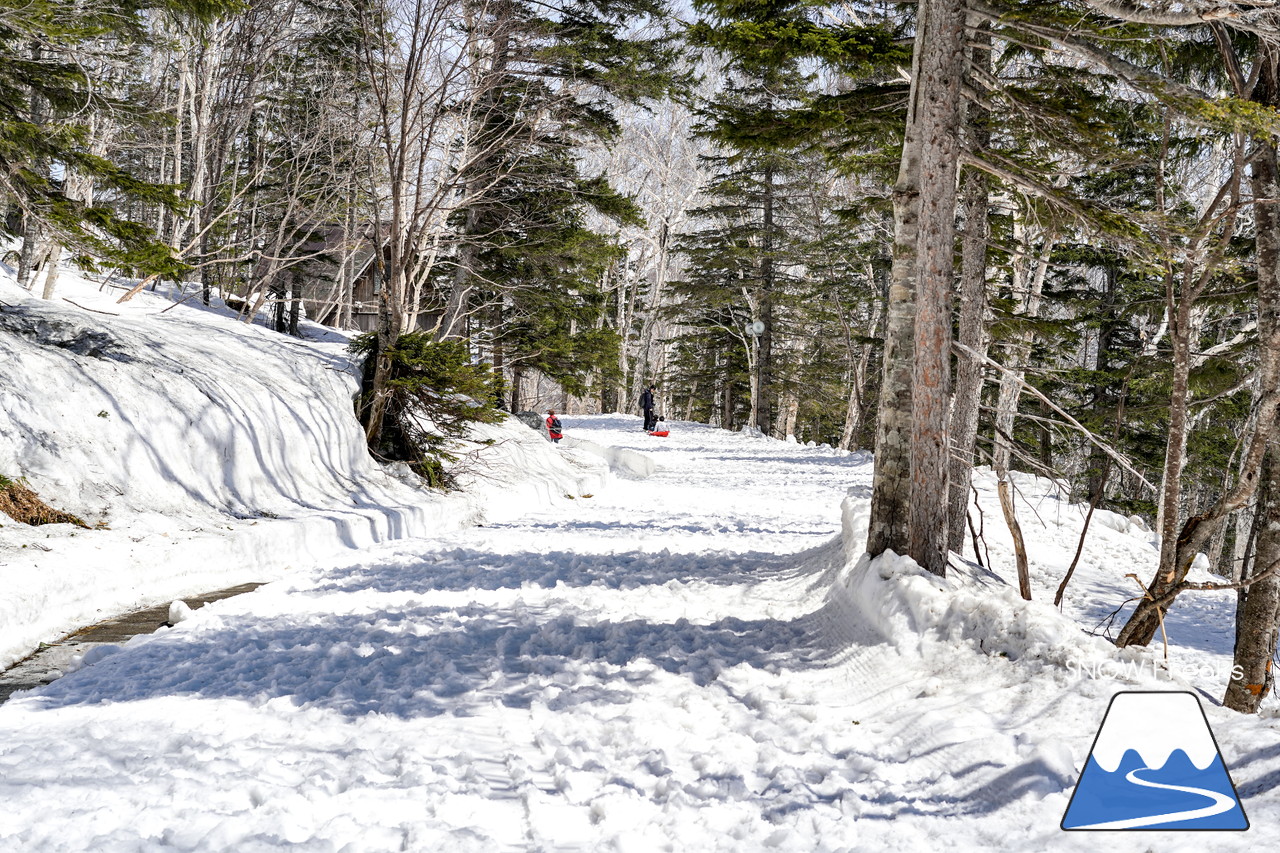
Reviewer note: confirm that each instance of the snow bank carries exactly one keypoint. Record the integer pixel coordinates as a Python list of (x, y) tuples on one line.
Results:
[(912, 608), (214, 453), (174, 414), (622, 461), (517, 469)]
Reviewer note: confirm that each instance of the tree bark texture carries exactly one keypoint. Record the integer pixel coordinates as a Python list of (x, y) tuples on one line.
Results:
[(888, 528), (917, 379), (1259, 606)]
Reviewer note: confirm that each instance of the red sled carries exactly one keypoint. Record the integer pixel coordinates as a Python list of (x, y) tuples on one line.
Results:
[(661, 433)]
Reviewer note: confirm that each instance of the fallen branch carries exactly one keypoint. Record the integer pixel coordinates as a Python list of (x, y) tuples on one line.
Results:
[(87, 308), (137, 288), (180, 301)]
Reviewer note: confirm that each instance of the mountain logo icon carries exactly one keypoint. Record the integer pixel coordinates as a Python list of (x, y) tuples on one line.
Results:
[(1155, 765)]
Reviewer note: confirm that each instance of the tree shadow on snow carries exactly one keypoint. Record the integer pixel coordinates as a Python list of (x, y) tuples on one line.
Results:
[(463, 569), (431, 661)]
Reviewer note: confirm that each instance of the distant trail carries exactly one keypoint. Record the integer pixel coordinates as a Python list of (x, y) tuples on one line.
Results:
[(1222, 803)]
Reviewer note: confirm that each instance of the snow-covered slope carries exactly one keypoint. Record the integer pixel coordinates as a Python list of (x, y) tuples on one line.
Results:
[(214, 452)]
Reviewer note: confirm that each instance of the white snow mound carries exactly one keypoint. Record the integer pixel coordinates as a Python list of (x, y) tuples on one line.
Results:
[(179, 611), (624, 462), (212, 451), (912, 608)]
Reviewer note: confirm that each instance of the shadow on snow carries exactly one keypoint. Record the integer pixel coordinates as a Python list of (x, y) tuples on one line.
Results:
[(429, 661), (463, 569)]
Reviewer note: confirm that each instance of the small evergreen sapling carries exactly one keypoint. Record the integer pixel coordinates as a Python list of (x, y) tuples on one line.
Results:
[(435, 392)]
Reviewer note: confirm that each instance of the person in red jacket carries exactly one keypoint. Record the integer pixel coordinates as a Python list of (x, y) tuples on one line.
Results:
[(553, 426)]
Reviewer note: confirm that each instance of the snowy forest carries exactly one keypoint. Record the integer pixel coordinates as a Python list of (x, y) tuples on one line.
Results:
[(955, 327), (1038, 237)]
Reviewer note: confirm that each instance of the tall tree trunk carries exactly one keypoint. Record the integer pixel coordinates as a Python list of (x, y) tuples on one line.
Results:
[(51, 271), (972, 321), (939, 115), (31, 231), (909, 491), (1259, 606), (517, 390), (1175, 454), (764, 391), (295, 300), (973, 334), (887, 528), (1243, 540), (1028, 285), (789, 409), (27, 255), (1099, 464)]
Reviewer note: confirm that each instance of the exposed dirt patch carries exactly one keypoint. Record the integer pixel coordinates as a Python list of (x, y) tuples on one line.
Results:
[(21, 504)]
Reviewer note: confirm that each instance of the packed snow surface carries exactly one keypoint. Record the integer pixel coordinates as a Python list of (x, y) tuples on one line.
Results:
[(696, 660), (685, 662)]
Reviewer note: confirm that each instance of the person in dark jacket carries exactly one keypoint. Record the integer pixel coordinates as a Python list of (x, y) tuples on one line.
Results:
[(553, 426), (647, 403)]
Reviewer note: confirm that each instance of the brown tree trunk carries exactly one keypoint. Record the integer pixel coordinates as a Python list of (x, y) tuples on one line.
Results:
[(517, 390), (1259, 606), (891, 477), (909, 492)]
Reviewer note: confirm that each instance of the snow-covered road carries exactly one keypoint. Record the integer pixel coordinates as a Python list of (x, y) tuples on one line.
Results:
[(659, 666)]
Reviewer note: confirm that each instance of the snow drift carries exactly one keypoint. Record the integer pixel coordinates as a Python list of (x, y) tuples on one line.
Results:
[(914, 609), (621, 460)]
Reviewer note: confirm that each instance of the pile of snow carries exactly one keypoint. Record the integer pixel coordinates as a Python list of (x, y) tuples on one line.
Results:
[(621, 460), (211, 452), (517, 469), (912, 608), (179, 611)]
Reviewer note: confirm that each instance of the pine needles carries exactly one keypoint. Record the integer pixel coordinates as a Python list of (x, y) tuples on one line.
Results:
[(23, 505)]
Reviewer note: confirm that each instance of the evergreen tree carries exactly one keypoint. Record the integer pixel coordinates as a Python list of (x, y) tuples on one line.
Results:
[(763, 124), (57, 60), (527, 272)]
